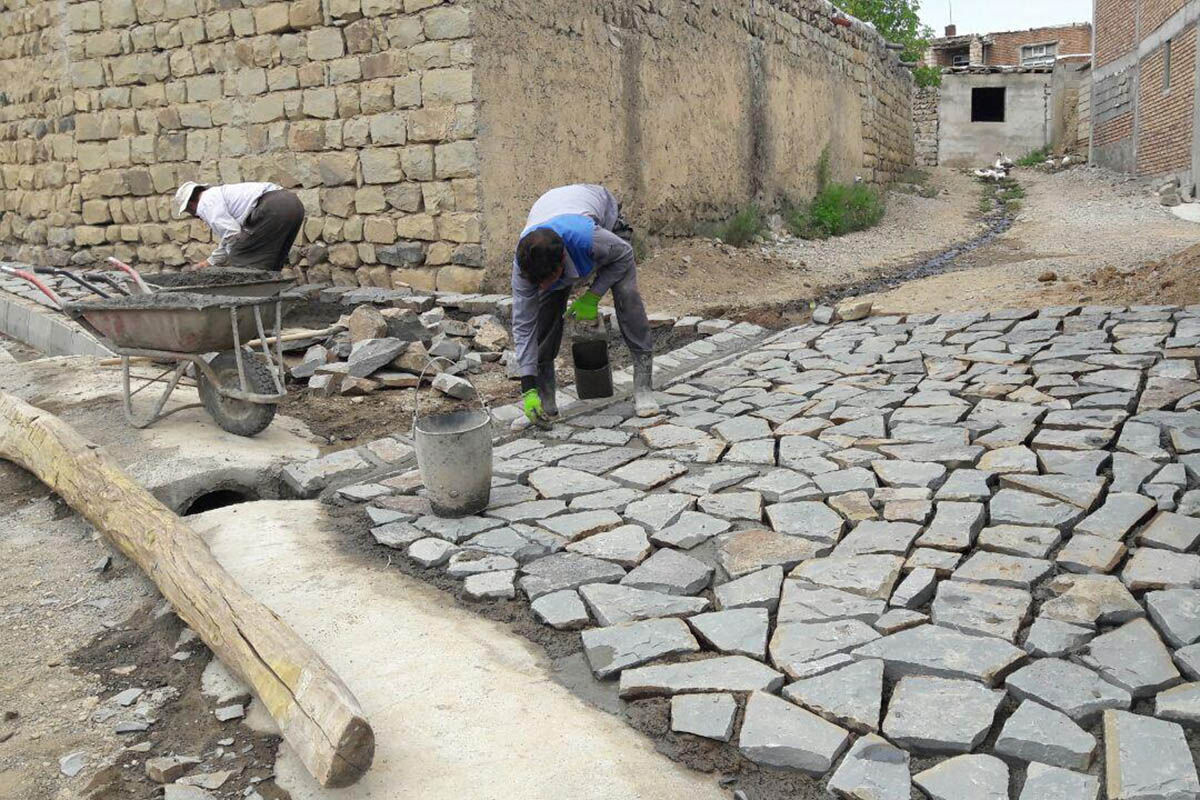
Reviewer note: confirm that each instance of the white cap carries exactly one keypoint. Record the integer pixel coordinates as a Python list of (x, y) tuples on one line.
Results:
[(183, 195)]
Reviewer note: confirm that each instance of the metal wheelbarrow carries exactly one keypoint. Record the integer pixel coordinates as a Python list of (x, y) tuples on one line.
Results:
[(238, 387)]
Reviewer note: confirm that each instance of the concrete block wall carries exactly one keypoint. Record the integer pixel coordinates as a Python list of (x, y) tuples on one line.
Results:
[(393, 121)]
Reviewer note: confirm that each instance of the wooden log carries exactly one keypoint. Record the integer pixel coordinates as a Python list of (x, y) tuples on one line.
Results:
[(316, 713)]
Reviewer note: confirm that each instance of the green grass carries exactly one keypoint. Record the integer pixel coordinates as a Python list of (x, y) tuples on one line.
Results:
[(1033, 158), (837, 209), (742, 228)]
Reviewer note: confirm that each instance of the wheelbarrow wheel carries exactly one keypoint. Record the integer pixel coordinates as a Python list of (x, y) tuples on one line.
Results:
[(239, 416)]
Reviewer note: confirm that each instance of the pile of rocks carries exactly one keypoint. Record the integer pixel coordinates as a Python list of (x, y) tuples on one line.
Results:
[(995, 513)]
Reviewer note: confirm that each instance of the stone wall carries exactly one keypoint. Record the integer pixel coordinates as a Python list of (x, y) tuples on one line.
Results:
[(416, 132), (925, 125)]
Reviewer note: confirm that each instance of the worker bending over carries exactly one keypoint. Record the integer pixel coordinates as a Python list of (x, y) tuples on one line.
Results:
[(254, 224), (568, 240)]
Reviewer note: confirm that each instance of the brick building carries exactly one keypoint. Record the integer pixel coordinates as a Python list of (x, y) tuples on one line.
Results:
[(1035, 47), (1144, 88)]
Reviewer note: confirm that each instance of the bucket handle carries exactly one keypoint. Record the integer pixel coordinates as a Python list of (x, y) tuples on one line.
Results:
[(417, 397)]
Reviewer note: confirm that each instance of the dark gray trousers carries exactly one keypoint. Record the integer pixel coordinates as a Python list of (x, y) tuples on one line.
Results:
[(631, 318), (268, 232)]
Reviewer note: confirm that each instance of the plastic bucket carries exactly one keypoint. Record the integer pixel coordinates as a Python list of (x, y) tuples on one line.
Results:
[(454, 456), (593, 372)]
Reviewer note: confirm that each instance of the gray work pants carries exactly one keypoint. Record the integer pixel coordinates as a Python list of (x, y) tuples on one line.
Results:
[(268, 232), (631, 316)]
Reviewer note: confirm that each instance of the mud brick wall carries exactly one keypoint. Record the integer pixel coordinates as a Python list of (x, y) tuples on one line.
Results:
[(925, 125), (417, 132)]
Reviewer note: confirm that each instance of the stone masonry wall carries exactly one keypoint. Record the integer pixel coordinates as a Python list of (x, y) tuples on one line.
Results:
[(925, 125), (395, 121), (364, 107), (687, 109)]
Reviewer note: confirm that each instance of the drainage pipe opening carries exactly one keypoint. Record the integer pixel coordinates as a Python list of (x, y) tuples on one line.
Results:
[(219, 498)]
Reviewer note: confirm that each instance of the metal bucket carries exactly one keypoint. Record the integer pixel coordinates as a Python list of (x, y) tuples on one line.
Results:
[(593, 372), (454, 455)]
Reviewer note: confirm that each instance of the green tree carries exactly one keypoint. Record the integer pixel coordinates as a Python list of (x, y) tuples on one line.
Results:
[(897, 20)]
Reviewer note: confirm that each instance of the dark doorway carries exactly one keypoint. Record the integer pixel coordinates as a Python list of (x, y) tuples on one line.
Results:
[(987, 104)]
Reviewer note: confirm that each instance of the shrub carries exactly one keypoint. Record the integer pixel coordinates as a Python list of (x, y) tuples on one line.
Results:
[(1033, 158), (927, 76), (837, 209), (742, 228)]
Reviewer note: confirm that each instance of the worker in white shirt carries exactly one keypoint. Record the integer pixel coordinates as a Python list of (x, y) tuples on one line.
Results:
[(254, 224)]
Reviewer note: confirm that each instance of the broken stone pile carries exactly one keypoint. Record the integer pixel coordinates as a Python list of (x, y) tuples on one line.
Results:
[(392, 336), (972, 537)]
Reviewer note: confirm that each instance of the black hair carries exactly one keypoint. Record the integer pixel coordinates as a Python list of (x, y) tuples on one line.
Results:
[(539, 254)]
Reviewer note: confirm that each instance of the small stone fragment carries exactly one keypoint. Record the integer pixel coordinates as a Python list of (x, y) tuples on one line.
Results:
[(562, 610), (227, 713), (167, 769), (708, 715), (497, 585)]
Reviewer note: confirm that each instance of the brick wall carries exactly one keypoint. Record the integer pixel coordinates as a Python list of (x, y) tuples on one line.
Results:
[(925, 125), (1155, 12), (1164, 136), (1113, 130), (1116, 26), (1005, 49)]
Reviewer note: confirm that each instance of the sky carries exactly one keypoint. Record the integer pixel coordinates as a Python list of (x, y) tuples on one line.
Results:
[(986, 16)]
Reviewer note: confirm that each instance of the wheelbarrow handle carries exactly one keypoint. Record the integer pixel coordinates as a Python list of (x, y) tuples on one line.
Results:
[(421, 379), (71, 276), (25, 275)]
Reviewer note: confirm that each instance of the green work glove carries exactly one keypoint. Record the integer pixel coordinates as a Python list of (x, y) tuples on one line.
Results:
[(585, 309), (533, 405)]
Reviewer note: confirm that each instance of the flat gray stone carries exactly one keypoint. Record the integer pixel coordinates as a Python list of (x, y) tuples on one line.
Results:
[(562, 610), (1119, 514), (1074, 489), (1072, 689), (1052, 638), (782, 485), (954, 527), (733, 505), (1003, 570), (756, 590), (713, 479), (1171, 531), (966, 485), (1130, 472), (612, 649), (507, 542), (934, 650), (873, 769), (874, 536), (497, 585), (916, 589), (1013, 507), (535, 512), (851, 696), (566, 571), (795, 644), (776, 733), (811, 520), (758, 451), (909, 473), (1020, 540), (397, 535), (1006, 413), (917, 717), (845, 480), (582, 524), (1044, 782), (658, 511), (981, 609), (372, 354), (691, 529), (671, 572), (942, 562), (431, 551), (1090, 600), (1176, 614), (662, 437), (1179, 704), (707, 715), (647, 473), (1007, 460), (1037, 733), (965, 777), (626, 545), (720, 674), (1094, 554), (1143, 440), (612, 500), (562, 483), (1083, 439), (1072, 462), (1147, 759), (742, 552), (613, 604), (869, 576), (1153, 568), (741, 631), (603, 460), (1134, 658), (743, 428), (474, 562), (802, 601)]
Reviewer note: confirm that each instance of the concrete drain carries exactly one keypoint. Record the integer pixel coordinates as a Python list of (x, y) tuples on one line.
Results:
[(219, 498)]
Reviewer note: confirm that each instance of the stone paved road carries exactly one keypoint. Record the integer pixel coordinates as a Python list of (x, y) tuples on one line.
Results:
[(973, 508)]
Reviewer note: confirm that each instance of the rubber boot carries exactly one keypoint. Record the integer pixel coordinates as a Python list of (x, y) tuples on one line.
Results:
[(644, 404), (547, 389)]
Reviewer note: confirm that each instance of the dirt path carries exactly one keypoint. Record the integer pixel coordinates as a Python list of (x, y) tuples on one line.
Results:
[(1098, 233), (704, 276)]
